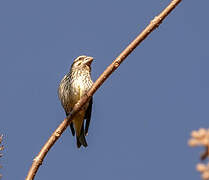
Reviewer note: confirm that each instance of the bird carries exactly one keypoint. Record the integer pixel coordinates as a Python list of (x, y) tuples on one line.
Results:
[(72, 87)]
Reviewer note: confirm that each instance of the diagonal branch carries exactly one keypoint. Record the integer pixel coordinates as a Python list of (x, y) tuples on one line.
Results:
[(110, 69)]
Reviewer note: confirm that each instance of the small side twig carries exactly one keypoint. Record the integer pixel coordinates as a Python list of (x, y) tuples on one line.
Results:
[(109, 70)]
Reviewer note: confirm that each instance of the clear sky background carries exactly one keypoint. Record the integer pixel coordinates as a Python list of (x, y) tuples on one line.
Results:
[(143, 114)]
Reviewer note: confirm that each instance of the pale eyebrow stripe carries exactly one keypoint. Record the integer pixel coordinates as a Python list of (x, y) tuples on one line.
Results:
[(78, 58)]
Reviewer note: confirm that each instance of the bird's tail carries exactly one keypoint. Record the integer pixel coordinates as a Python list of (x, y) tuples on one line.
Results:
[(81, 140)]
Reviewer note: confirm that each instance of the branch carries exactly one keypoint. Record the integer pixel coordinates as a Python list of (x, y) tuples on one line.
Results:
[(110, 69)]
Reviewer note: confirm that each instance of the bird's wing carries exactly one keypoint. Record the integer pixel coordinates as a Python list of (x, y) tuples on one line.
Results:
[(64, 98), (72, 129), (71, 126), (88, 116)]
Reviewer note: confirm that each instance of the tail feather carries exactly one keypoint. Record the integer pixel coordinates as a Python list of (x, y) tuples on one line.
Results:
[(81, 140), (78, 142)]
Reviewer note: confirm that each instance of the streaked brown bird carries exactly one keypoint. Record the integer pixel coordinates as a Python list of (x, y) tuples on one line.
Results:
[(72, 87)]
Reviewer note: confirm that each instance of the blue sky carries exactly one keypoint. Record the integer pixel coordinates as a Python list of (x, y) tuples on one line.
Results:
[(143, 114)]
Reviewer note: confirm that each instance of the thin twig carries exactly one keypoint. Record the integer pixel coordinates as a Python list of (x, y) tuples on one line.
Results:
[(110, 69), (1, 149), (205, 154)]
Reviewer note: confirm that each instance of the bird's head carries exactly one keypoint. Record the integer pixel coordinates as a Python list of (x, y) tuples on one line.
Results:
[(82, 62)]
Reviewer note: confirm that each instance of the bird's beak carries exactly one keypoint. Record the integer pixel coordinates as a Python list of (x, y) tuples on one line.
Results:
[(88, 60)]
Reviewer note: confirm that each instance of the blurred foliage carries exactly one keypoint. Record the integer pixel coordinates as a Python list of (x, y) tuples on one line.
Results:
[(201, 138)]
